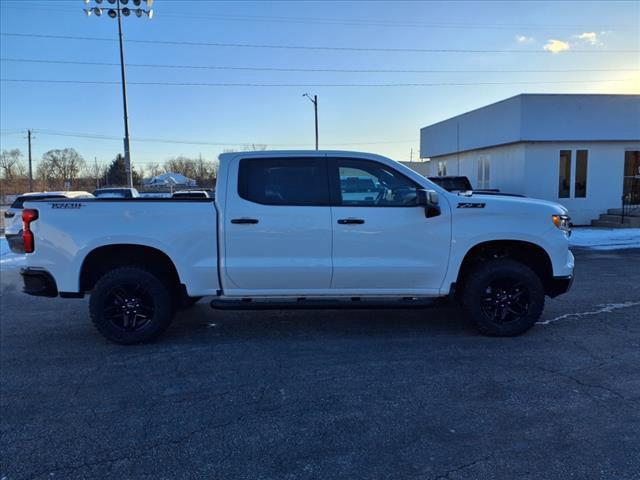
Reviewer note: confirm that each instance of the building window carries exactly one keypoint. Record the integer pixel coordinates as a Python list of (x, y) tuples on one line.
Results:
[(484, 174), (442, 168), (564, 176), (580, 185)]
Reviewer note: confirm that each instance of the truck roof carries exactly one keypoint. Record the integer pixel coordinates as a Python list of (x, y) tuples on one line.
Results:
[(298, 153)]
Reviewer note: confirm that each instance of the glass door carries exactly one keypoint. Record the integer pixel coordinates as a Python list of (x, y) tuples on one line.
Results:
[(631, 185)]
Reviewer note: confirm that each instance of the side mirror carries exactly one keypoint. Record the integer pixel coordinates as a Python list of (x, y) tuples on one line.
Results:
[(429, 200)]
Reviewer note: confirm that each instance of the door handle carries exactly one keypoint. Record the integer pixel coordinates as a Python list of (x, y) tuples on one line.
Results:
[(9, 214), (244, 220), (351, 221)]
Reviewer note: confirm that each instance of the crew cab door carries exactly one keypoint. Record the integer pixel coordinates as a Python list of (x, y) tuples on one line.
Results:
[(382, 241), (277, 226)]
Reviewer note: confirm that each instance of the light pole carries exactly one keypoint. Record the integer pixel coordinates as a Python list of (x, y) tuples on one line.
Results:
[(314, 100), (115, 10)]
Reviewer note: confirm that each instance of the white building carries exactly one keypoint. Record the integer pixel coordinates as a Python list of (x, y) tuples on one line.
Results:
[(573, 149)]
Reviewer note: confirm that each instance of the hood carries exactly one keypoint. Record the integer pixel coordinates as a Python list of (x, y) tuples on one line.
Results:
[(510, 203)]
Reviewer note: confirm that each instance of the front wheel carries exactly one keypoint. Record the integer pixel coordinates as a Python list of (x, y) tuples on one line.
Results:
[(130, 305), (504, 297)]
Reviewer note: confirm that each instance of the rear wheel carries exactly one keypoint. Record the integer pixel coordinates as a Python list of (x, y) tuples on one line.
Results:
[(504, 297), (130, 305)]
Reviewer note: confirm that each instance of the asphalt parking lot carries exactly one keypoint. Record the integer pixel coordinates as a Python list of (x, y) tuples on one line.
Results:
[(411, 394)]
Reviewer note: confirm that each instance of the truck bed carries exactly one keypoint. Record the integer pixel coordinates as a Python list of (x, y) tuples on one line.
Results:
[(185, 230)]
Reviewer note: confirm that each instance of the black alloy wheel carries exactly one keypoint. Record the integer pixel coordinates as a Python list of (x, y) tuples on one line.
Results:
[(504, 297)]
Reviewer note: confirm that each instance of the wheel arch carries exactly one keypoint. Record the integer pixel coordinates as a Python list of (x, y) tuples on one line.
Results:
[(527, 253), (108, 257)]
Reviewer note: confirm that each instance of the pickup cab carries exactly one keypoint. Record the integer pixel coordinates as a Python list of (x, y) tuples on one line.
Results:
[(300, 229)]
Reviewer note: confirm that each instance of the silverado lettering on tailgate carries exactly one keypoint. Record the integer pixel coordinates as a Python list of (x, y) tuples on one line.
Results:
[(66, 205)]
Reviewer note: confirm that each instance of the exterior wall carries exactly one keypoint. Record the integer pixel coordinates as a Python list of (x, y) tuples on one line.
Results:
[(536, 118), (604, 175), (584, 118), (532, 169), (423, 168), (495, 124), (506, 171)]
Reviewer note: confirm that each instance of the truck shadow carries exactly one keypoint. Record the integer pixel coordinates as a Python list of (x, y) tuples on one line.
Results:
[(284, 324)]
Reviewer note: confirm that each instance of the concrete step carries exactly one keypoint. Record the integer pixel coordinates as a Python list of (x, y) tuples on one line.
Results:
[(608, 224), (632, 221), (618, 211)]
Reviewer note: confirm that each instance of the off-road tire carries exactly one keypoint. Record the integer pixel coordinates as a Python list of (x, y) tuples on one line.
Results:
[(494, 283), (104, 305)]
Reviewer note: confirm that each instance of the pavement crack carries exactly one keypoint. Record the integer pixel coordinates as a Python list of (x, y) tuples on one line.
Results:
[(447, 475), (582, 383)]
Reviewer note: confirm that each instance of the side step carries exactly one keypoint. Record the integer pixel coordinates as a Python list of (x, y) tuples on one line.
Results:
[(313, 304)]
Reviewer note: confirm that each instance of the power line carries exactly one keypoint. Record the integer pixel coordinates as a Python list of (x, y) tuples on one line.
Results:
[(349, 21), (304, 47), (308, 85), (99, 136), (310, 70)]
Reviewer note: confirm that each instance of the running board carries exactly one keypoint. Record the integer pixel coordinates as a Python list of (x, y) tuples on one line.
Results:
[(312, 304)]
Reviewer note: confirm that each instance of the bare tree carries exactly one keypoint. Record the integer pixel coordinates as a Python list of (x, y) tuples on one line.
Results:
[(10, 162), (183, 165), (61, 166), (154, 169), (202, 171)]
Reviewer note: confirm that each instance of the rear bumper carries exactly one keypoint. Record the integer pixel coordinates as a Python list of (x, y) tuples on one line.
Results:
[(38, 282), (15, 241), (560, 285)]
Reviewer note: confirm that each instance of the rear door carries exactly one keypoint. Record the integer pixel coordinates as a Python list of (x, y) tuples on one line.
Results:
[(277, 226), (382, 241)]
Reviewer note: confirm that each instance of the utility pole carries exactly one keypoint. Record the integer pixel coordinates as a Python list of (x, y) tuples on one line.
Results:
[(95, 159), (127, 145), (118, 12), (30, 165), (314, 100)]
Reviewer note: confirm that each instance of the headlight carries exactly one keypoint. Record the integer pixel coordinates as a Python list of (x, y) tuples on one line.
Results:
[(563, 222)]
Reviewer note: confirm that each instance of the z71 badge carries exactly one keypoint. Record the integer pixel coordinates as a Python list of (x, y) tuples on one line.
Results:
[(66, 205), (471, 205)]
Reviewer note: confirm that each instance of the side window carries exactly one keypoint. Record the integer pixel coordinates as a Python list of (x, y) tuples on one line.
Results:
[(372, 184), (284, 181)]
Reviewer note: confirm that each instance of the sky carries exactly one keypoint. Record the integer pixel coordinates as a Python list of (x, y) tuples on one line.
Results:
[(492, 51)]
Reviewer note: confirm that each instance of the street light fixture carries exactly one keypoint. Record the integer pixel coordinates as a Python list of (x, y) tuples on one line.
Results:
[(314, 100), (118, 12)]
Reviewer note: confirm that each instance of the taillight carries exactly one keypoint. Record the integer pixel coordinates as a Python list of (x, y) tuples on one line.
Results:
[(28, 216)]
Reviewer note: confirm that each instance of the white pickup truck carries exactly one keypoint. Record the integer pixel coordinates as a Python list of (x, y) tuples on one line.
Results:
[(300, 229)]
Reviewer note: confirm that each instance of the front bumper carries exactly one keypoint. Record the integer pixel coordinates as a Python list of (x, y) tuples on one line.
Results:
[(38, 282)]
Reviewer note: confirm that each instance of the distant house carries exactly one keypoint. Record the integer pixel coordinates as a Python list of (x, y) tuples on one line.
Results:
[(582, 151), (170, 180)]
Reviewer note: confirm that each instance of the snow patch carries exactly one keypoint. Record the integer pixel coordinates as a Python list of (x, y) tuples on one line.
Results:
[(604, 308), (605, 238)]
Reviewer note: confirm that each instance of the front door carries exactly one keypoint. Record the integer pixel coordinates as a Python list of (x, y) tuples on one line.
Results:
[(382, 241), (277, 227)]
